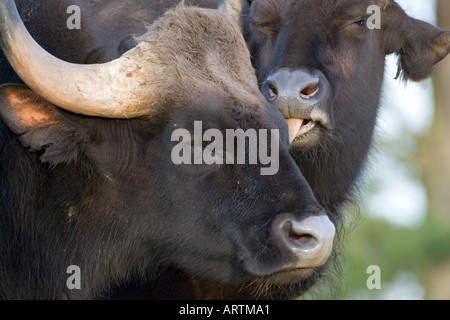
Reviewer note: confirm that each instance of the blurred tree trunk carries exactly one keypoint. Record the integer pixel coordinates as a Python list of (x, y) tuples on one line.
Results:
[(434, 156), (434, 150)]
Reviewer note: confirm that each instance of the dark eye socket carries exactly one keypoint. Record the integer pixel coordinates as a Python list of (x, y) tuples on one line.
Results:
[(360, 23), (267, 30)]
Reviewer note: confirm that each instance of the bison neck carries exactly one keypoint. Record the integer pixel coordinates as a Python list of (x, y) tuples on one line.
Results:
[(51, 219), (335, 168)]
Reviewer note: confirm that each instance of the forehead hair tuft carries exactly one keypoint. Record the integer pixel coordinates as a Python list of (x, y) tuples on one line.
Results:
[(198, 50)]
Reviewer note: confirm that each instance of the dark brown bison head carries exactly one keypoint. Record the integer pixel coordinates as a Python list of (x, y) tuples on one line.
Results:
[(321, 63)]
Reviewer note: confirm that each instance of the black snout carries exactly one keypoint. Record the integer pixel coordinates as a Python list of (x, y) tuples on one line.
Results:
[(299, 94), (293, 90)]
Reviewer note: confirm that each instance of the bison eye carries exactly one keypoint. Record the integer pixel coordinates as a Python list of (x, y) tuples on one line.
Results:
[(361, 23), (266, 28), (249, 2)]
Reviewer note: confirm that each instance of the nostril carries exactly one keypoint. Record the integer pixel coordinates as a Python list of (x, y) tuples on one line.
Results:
[(273, 91), (308, 240), (300, 239), (309, 92)]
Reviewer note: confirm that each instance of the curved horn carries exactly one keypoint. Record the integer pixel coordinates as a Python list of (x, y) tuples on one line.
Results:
[(122, 88), (232, 8)]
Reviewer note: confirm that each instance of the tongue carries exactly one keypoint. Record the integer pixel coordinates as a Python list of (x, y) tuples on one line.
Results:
[(294, 128)]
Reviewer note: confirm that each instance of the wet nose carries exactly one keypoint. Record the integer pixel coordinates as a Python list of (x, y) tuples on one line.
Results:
[(299, 94), (293, 92), (309, 240)]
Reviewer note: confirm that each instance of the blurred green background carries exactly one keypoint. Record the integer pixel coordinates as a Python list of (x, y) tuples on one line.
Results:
[(402, 220)]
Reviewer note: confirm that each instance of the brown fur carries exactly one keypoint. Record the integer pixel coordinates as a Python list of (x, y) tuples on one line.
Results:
[(190, 61), (103, 194)]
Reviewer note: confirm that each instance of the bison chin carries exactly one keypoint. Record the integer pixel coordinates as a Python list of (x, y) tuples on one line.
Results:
[(194, 287), (283, 286)]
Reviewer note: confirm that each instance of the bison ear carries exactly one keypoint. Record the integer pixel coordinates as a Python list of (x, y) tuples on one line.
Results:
[(232, 8), (419, 44), (40, 125)]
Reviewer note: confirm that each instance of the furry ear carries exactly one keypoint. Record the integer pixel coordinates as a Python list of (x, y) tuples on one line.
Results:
[(40, 125), (419, 44)]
